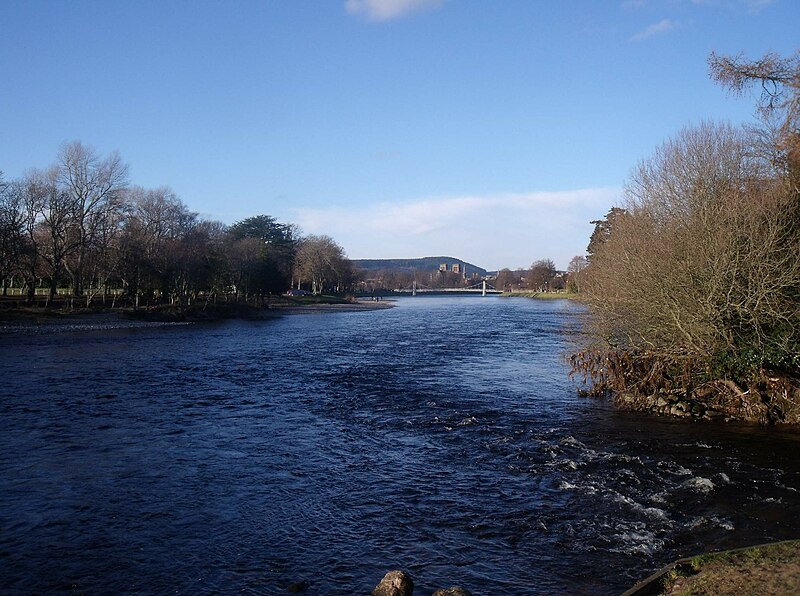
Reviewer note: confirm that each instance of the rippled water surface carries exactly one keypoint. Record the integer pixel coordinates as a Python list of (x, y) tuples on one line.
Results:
[(442, 437)]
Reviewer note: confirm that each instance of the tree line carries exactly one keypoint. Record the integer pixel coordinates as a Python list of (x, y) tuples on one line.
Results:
[(542, 276), (80, 227), (694, 280), (389, 280)]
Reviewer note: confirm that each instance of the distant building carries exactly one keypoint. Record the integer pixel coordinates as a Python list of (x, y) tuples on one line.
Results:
[(459, 268)]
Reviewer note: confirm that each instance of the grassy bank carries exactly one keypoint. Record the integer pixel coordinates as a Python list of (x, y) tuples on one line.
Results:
[(764, 569)]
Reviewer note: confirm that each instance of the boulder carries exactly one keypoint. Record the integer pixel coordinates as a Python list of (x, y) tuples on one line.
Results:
[(395, 583)]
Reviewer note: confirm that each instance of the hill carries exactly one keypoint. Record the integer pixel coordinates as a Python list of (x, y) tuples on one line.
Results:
[(421, 264)]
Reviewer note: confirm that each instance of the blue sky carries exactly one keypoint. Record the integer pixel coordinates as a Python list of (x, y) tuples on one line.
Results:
[(489, 130)]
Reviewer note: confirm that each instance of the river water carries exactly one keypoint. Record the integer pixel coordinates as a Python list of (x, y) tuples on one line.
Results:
[(441, 437)]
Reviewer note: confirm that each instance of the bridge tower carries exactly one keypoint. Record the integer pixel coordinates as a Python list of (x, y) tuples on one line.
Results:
[(483, 288)]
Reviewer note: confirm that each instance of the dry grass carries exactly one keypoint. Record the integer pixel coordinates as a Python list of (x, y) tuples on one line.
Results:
[(772, 569)]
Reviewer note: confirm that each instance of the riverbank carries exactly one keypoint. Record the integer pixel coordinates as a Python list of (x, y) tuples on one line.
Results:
[(358, 306), (211, 312), (25, 318), (774, 401), (541, 295), (764, 569), (658, 385)]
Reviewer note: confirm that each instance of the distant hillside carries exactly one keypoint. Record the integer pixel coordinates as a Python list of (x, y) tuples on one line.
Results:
[(423, 264)]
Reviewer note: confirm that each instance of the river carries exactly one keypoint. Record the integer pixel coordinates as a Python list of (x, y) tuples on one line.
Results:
[(441, 437)]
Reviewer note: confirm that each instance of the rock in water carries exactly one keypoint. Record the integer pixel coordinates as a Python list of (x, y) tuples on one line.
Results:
[(453, 591), (395, 583), (298, 587)]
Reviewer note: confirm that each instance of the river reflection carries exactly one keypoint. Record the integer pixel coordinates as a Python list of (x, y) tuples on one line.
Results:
[(442, 437)]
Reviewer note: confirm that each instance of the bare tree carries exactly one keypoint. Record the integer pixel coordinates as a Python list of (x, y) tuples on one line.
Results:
[(541, 275), (50, 227), (199, 260), (507, 280), (575, 272), (321, 263), (13, 244), (157, 224), (701, 272), (779, 104), (94, 187), (244, 256), (104, 256)]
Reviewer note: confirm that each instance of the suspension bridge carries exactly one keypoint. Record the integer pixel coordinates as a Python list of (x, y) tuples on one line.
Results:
[(482, 287)]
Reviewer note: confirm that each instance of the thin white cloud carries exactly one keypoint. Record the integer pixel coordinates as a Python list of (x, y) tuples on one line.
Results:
[(510, 230), (387, 10), (659, 28)]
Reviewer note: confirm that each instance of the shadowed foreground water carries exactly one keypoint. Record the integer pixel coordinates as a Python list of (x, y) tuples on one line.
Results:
[(441, 437)]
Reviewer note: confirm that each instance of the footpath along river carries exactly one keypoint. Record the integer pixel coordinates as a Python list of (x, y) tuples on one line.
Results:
[(442, 437)]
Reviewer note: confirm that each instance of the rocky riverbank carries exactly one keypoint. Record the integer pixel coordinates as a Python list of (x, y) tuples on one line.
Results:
[(775, 400)]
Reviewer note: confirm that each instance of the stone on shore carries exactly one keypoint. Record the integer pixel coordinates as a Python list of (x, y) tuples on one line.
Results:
[(395, 583)]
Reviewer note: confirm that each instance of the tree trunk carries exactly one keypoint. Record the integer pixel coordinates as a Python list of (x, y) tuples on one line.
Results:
[(77, 281)]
